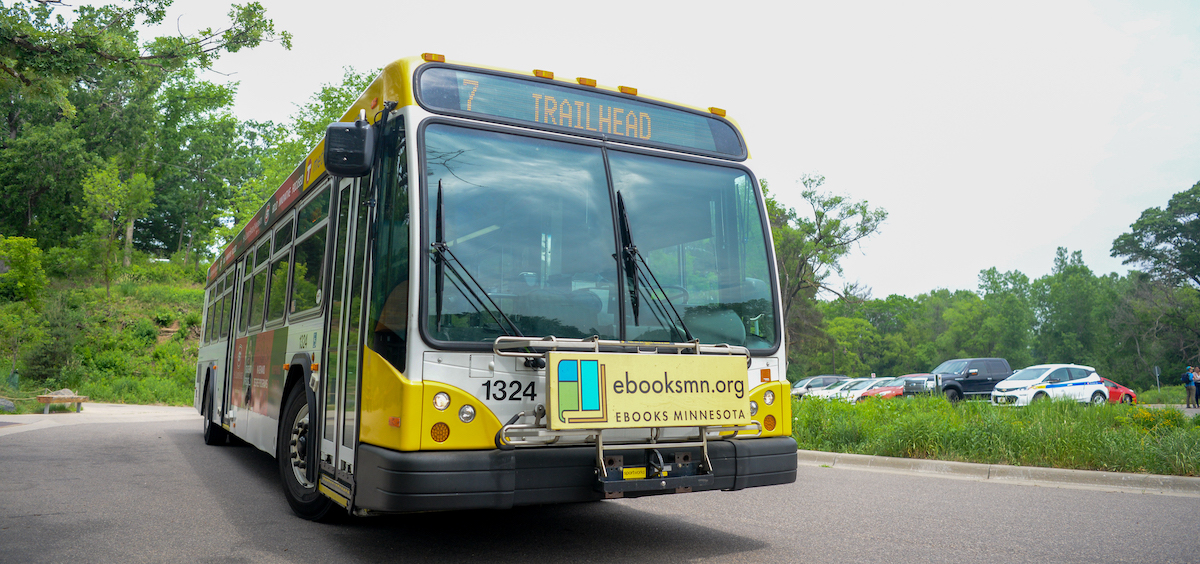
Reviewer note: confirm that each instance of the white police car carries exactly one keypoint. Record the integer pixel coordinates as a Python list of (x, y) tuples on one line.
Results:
[(1049, 381)]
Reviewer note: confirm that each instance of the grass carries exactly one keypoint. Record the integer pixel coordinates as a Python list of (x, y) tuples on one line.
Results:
[(137, 346), (1168, 395), (1060, 434)]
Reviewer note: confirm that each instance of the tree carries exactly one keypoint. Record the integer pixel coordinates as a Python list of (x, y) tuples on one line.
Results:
[(279, 148), (18, 327), (79, 88), (24, 278), (43, 54), (809, 248), (1072, 307), (1166, 241), (110, 203)]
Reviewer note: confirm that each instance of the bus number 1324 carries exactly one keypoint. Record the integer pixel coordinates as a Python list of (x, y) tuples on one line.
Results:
[(500, 390)]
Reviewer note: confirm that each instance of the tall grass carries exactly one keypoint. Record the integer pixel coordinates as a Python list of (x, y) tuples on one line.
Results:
[(1059, 434)]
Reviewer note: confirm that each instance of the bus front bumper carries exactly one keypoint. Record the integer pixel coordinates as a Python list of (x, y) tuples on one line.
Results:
[(391, 481)]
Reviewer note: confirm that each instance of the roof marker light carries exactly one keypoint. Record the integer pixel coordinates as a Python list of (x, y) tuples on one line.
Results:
[(586, 81), (433, 58), (543, 74), (717, 111), (628, 90)]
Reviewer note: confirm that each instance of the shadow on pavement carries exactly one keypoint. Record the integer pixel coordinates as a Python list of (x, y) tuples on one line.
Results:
[(245, 483)]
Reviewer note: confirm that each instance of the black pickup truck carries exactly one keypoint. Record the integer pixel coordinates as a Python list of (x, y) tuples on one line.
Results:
[(965, 377)]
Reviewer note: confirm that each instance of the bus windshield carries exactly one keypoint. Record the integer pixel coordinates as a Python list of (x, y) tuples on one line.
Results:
[(532, 221)]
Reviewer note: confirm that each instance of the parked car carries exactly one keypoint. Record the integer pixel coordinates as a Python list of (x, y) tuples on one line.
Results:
[(853, 391), (832, 390), (890, 389), (815, 382), (969, 377), (919, 384), (1048, 381), (1118, 393)]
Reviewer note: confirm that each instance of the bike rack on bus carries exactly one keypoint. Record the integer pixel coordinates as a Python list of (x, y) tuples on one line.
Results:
[(513, 434)]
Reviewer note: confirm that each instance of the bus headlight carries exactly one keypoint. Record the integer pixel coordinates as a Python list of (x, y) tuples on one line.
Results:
[(441, 401), (769, 397), (466, 414), (753, 408)]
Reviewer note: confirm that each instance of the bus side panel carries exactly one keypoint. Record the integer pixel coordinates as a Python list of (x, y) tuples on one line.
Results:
[(257, 388)]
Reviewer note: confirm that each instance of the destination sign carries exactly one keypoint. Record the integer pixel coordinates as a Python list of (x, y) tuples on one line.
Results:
[(586, 111)]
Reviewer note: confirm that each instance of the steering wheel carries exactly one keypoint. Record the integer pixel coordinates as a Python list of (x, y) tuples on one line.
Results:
[(677, 294)]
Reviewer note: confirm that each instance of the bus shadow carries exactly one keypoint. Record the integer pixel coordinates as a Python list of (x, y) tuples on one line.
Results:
[(239, 477)]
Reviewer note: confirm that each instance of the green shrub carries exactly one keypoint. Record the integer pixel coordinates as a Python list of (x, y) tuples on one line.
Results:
[(164, 317), (63, 326)]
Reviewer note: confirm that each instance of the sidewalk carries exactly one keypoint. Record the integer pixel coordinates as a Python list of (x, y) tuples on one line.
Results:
[(1028, 475), (97, 413)]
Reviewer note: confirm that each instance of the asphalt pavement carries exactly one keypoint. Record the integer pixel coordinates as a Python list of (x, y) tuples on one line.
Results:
[(95, 413)]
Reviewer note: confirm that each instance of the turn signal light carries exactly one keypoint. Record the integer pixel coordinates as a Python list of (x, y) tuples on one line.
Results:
[(440, 432), (314, 367), (768, 423)]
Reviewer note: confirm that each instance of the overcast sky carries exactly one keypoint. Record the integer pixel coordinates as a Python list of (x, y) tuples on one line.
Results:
[(992, 133)]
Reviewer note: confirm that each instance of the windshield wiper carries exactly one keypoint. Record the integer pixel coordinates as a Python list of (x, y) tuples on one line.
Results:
[(466, 285), (638, 274)]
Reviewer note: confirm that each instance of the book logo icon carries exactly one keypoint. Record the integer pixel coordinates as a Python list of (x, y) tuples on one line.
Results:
[(580, 392)]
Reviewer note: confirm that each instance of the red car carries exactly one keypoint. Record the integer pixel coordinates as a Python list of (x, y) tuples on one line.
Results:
[(1118, 393), (894, 388)]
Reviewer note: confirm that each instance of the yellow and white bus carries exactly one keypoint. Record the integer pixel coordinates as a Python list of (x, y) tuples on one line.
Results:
[(488, 288)]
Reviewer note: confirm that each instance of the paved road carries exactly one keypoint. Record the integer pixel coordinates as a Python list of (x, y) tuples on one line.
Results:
[(143, 488)]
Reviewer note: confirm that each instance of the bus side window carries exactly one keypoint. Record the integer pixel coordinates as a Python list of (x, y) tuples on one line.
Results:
[(310, 253), (280, 270), (226, 307), (306, 284), (244, 318), (208, 321), (279, 282), (257, 299)]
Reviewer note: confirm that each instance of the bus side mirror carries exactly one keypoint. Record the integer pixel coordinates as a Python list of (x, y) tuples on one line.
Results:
[(349, 148)]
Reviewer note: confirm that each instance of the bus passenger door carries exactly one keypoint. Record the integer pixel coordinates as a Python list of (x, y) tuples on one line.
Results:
[(344, 342), (222, 379)]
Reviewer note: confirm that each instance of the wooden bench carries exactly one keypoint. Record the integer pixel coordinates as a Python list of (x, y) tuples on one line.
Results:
[(49, 399)]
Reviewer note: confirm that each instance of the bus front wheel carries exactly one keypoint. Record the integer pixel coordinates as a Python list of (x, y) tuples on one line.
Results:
[(291, 453)]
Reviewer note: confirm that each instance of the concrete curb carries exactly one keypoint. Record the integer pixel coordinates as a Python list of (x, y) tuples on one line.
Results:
[(1143, 483)]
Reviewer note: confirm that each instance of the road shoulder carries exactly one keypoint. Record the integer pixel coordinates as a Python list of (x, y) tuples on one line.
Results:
[(1027, 475)]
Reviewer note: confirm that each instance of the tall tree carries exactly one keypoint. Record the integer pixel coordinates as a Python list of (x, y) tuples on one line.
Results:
[(1166, 241), (78, 87), (110, 203), (809, 248), (43, 54), (280, 147)]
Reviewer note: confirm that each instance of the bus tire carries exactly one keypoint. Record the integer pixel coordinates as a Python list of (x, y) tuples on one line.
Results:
[(301, 494), (214, 434)]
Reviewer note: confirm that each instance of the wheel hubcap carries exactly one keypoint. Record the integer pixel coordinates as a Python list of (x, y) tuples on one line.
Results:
[(298, 447)]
